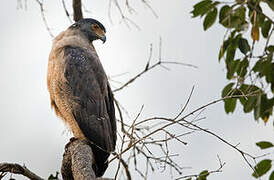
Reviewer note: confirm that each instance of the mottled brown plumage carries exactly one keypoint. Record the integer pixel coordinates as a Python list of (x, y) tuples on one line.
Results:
[(79, 90)]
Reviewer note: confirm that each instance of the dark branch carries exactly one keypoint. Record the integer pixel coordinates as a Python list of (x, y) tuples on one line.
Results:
[(77, 10), (18, 169)]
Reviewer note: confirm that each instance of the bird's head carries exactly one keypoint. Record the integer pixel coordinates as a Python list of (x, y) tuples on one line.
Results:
[(91, 28)]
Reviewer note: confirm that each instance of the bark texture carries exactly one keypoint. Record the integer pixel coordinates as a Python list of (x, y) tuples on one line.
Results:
[(78, 161)]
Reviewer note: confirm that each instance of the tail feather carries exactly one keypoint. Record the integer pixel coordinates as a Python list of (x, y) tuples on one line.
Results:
[(101, 162)]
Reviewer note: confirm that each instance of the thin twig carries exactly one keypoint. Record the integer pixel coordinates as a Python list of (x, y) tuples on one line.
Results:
[(172, 122), (149, 67), (41, 4), (259, 11), (221, 165), (66, 11)]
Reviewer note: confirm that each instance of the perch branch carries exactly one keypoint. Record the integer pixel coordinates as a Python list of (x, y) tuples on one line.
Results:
[(78, 161)]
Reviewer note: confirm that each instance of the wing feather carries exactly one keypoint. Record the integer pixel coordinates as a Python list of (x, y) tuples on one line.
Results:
[(88, 84)]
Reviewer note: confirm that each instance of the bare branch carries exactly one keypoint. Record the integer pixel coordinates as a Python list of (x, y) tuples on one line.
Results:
[(259, 11), (221, 165), (41, 4), (18, 169), (150, 8), (149, 67), (66, 11), (183, 109), (172, 122), (77, 10)]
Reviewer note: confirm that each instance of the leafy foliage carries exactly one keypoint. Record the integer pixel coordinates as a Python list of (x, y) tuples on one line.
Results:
[(250, 75), (210, 18), (265, 165), (253, 81)]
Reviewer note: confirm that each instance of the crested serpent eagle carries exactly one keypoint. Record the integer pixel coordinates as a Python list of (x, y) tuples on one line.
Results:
[(79, 89)]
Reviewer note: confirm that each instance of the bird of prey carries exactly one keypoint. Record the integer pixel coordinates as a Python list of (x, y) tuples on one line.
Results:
[(79, 90)]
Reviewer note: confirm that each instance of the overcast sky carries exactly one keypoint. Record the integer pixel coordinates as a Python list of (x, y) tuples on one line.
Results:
[(32, 134)]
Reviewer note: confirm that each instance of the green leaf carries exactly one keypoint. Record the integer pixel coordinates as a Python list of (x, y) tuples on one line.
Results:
[(240, 12), (230, 105), (271, 177), (265, 28), (262, 168), (270, 48), (225, 45), (268, 71), (250, 104), (260, 18), (266, 107), (210, 18), (232, 67), (243, 45), (242, 70), (265, 68), (230, 18), (201, 8), (224, 16), (238, 18), (227, 90), (230, 53), (264, 144), (203, 175), (221, 52), (235, 22), (258, 65)]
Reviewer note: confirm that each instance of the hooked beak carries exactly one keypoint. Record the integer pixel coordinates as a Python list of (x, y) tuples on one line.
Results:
[(103, 38)]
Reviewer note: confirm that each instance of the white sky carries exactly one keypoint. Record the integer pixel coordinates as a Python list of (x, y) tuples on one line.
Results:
[(31, 133)]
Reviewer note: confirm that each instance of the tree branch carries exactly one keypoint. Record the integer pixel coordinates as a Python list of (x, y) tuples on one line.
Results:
[(77, 10), (18, 169), (149, 67), (41, 4), (77, 164), (78, 161)]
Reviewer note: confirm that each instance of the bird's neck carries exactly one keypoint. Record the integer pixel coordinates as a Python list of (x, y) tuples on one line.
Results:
[(72, 37)]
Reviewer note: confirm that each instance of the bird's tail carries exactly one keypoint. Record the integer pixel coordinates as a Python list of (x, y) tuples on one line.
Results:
[(101, 162)]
